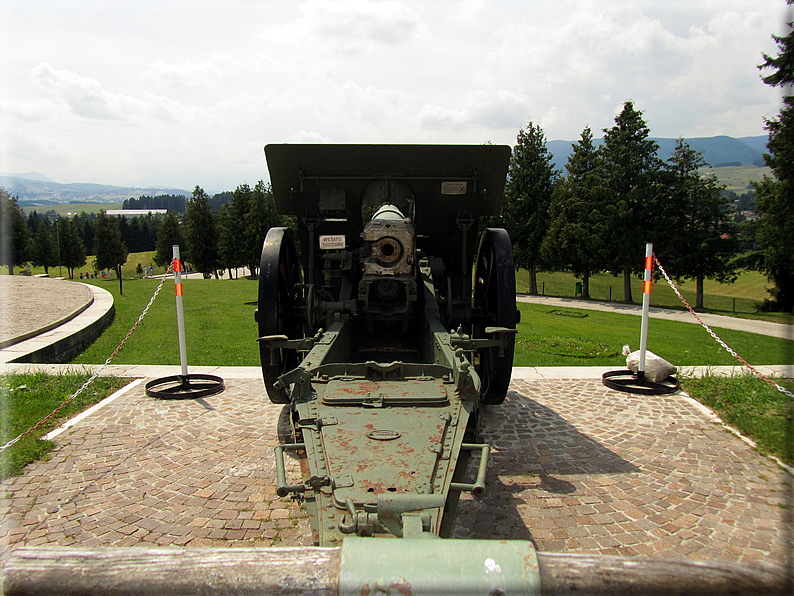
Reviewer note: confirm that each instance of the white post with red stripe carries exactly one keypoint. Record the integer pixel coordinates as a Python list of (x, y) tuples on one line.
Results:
[(180, 313), (646, 303)]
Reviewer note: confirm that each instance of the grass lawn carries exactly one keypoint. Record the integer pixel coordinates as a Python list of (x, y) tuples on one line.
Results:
[(571, 337), (219, 324), (737, 299), (27, 399), (128, 270), (753, 407), (220, 331)]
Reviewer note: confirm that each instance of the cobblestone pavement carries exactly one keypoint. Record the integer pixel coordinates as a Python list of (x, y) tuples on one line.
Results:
[(29, 303), (576, 467)]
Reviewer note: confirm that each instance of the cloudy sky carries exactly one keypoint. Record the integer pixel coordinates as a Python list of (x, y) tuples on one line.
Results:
[(140, 92)]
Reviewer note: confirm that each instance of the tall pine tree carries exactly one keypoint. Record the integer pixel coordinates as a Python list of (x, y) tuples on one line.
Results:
[(260, 218), (14, 232), (696, 234), (775, 196), (575, 239), (111, 252), (168, 235), (632, 169), (525, 210), (202, 234), (43, 249), (232, 244), (72, 250)]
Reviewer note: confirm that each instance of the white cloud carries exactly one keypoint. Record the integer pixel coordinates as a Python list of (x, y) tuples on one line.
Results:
[(621, 53), (303, 136), (197, 90), (20, 145), (191, 73), (86, 98), (496, 110), (467, 13), (348, 26)]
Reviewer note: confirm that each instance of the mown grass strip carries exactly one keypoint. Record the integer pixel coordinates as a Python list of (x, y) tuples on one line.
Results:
[(25, 399), (753, 407), (738, 299), (220, 331), (219, 324), (545, 338)]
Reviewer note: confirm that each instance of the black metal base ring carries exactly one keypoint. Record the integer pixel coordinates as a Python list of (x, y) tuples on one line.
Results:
[(638, 385), (184, 386)]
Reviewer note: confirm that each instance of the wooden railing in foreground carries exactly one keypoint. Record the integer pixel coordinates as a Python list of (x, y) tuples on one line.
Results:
[(173, 571)]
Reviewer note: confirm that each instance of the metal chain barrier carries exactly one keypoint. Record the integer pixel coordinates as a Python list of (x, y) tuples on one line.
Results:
[(98, 371), (744, 362)]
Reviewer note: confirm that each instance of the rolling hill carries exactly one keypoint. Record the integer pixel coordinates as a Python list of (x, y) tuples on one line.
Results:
[(36, 190), (717, 151)]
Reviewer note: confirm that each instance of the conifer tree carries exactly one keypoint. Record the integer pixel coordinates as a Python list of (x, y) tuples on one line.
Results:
[(72, 250), (260, 218), (111, 252), (530, 184), (202, 234), (168, 234), (632, 169), (775, 196), (696, 233), (43, 248), (232, 243), (14, 232), (575, 239)]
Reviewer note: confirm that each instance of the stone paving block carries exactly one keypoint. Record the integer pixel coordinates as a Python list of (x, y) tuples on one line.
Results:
[(576, 467)]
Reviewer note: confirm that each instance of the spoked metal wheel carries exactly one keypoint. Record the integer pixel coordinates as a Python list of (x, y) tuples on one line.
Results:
[(279, 295), (495, 304)]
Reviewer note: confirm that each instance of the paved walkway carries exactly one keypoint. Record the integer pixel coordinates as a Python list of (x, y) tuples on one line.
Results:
[(576, 467)]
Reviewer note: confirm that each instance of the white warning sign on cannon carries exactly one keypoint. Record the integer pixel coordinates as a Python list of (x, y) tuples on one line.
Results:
[(332, 242)]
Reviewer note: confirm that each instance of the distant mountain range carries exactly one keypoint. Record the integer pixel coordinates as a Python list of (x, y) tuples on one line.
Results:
[(35, 189), (717, 151)]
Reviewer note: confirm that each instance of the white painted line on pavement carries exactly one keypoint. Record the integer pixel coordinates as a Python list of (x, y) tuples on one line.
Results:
[(54, 433)]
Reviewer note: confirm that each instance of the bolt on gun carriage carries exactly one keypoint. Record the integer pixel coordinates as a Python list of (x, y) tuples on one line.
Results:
[(374, 336)]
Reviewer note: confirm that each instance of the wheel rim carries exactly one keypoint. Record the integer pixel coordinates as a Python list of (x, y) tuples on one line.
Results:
[(495, 299), (279, 282)]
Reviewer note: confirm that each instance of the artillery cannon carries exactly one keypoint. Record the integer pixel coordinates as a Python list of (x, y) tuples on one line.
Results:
[(383, 356), (373, 336)]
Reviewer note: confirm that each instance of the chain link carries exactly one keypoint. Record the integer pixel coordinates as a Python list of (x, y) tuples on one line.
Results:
[(756, 372), (98, 371)]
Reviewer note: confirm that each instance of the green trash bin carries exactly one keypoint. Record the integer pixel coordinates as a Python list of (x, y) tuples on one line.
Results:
[(578, 289)]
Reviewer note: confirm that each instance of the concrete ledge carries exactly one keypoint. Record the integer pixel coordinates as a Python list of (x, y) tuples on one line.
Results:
[(48, 327), (68, 339)]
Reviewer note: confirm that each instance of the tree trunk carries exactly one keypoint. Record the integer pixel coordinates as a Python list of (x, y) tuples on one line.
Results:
[(586, 285), (699, 293), (46, 270), (118, 272), (533, 280), (11, 269), (626, 285)]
